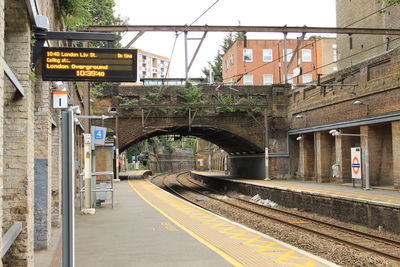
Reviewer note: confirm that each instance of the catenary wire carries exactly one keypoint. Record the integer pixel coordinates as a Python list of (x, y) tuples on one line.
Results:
[(177, 34), (240, 76)]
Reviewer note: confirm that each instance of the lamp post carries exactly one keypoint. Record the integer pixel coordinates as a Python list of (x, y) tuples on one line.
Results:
[(366, 154)]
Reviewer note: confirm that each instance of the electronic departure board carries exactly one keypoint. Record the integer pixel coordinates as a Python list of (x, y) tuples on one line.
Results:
[(89, 64)]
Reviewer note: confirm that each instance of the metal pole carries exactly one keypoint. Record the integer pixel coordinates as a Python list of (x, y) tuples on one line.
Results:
[(209, 156), (367, 185), (87, 170), (266, 143), (116, 148), (190, 120), (68, 216), (285, 57), (186, 57)]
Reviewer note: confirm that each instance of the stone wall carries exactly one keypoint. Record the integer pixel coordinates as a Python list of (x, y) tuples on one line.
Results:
[(18, 135)]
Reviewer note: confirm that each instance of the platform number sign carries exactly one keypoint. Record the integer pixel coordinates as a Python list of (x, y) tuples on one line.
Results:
[(60, 99), (356, 165), (98, 134)]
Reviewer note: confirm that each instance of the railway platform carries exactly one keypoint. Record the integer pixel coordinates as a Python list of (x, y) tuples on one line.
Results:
[(149, 227), (379, 195), (378, 208)]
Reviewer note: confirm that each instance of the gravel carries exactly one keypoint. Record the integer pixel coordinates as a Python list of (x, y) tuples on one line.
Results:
[(333, 251)]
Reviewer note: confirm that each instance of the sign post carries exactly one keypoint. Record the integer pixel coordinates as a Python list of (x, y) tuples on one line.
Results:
[(68, 177), (356, 164), (60, 99)]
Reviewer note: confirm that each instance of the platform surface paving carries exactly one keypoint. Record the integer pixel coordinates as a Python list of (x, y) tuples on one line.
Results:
[(149, 227)]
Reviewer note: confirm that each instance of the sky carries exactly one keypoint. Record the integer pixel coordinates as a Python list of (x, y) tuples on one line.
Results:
[(312, 13)]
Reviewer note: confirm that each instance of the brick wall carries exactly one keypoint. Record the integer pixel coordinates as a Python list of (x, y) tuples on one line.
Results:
[(18, 135), (334, 103), (346, 15), (56, 176), (43, 164), (2, 77), (396, 152)]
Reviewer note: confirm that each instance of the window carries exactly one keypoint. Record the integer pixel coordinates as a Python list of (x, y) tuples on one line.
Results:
[(289, 53), (231, 59), (267, 55), (248, 79), (248, 55), (268, 79), (307, 78), (334, 48), (225, 65), (306, 55)]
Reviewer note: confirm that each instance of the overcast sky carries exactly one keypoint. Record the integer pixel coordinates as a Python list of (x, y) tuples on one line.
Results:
[(224, 12)]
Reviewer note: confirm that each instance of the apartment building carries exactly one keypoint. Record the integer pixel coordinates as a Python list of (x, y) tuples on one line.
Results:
[(258, 62), (151, 65)]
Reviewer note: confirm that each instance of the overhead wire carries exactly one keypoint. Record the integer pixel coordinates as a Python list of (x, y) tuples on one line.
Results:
[(177, 34), (240, 76)]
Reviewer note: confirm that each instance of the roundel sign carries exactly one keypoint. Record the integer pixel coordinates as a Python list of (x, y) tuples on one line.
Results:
[(356, 162)]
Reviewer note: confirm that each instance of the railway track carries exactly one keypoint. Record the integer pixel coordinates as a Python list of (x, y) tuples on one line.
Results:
[(371, 243)]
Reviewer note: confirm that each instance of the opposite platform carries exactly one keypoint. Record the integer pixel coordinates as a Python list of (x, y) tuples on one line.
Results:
[(376, 195), (149, 227)]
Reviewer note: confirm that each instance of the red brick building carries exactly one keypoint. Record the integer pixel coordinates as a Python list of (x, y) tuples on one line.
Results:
[(262, 61)]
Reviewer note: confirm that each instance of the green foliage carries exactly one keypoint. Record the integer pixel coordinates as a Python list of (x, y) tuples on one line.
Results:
[(157, 98), (126, 101), (389, 2), (135, 149), (78, 14), (226, 100), (190, 95), (32, 76), (251, 101)]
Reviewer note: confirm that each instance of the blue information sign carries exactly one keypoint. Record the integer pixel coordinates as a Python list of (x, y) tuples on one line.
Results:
[(98, 134)]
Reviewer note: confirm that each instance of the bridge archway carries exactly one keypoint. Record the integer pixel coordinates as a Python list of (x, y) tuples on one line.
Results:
[(229, 141)]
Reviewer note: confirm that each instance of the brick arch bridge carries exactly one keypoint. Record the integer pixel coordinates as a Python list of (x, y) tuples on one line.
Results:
[(239, 133)]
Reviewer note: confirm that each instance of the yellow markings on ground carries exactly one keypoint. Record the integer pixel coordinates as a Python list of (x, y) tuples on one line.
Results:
[(300, 222), (194, 235), (285, 256), (251, 239)]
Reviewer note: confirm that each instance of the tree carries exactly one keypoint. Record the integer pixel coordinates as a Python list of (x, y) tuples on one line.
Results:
[(216, 65), (77, 14)]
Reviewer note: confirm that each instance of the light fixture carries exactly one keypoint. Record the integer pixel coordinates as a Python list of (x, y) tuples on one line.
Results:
[(358, 102), (112, 110), (59, 86), (75, 109), (299, 116), (334, 132), (299, 138)]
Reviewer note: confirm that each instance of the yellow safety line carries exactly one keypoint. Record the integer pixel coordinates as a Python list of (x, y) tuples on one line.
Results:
[(202, 240)]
